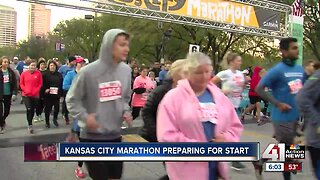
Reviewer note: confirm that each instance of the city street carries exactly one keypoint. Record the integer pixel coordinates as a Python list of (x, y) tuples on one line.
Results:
[(13, 167)]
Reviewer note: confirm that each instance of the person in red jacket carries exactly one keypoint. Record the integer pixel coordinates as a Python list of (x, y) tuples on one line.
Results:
[(254, 98), (30, 83)]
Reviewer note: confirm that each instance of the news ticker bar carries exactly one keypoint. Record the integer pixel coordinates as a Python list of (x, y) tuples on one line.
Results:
[(249, 151), (286, 166)]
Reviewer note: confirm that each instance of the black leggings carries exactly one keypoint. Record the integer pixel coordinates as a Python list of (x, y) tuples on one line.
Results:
[(40, 106), (48, 104), (65, 111), (5, 105), (31, 104), (135, 112), (315, 159)]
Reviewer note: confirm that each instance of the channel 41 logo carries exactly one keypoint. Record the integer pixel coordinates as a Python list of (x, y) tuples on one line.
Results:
[(281, 152)]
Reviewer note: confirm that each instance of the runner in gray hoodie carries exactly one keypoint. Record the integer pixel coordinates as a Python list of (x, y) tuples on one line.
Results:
[(99, 98), (308, 100)]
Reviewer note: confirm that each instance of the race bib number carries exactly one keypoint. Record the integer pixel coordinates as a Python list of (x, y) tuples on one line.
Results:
[(295, 86), (236, 94), (110, 91), (239, 80), (209, 112), (5, 78), (53, 90)]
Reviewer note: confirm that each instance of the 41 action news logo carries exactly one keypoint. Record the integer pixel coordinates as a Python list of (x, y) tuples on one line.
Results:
[(281, 152)]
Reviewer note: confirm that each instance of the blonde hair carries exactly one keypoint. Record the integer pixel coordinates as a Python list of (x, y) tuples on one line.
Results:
[(227, 59), (151, 73), (177, 67), (196, 59)]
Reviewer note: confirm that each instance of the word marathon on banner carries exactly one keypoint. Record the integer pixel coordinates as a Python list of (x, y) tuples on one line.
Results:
[(193, 48), (158, 152), (284, 158)]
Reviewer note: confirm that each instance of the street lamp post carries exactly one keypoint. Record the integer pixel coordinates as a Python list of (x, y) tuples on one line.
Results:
[(89, 17), (166, 35)]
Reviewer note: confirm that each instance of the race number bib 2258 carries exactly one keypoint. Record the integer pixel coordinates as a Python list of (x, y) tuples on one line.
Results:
[(109, 91), (295, 86)]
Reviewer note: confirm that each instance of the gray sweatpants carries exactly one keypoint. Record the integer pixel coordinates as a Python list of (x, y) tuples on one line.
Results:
[(285, 132)]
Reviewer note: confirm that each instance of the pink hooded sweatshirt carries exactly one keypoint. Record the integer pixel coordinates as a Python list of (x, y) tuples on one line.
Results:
[(179, 121)]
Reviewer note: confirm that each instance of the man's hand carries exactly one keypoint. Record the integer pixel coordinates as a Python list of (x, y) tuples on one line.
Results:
[(92, 123), (47, 90), (219, 138), (283, 107), (127, 117)]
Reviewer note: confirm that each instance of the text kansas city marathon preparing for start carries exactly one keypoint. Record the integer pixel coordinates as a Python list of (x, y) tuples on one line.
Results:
[(157, 150)]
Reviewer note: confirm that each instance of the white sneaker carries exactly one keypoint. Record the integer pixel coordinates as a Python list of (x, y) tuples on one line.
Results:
[(40, 118), (2, 130), (36, 119)]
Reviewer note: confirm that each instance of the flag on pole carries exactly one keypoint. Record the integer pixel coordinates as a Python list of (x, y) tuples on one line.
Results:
[(297, 8)]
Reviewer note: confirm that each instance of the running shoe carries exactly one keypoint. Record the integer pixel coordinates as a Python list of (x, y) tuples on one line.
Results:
[(36, 119), (2, 130), (237, 166), (258, 168), (124, 125), (30, 129), (55, 122), (47, 126), (242, 115), (79, 173)]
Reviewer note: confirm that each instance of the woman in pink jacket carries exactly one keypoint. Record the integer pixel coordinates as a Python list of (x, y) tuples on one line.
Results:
[(197, 111)]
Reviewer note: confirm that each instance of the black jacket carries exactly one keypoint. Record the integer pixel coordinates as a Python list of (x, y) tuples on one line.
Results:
[(149, 112), (12, 80), (42, 90), (52, 80)]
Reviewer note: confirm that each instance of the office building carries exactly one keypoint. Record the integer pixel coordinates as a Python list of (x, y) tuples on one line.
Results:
[(39, 20), (8, 26)]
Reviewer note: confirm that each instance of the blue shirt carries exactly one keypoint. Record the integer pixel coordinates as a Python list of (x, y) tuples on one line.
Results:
[(209, 128), (21, 66), (283, 80), (67, 81), (65, 69), (162, 75)]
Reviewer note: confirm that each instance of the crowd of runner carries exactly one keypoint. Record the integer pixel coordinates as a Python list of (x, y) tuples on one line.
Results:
[(180, 101)]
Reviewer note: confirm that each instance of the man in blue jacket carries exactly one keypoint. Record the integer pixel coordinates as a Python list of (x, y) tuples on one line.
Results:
[(67, 82)]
